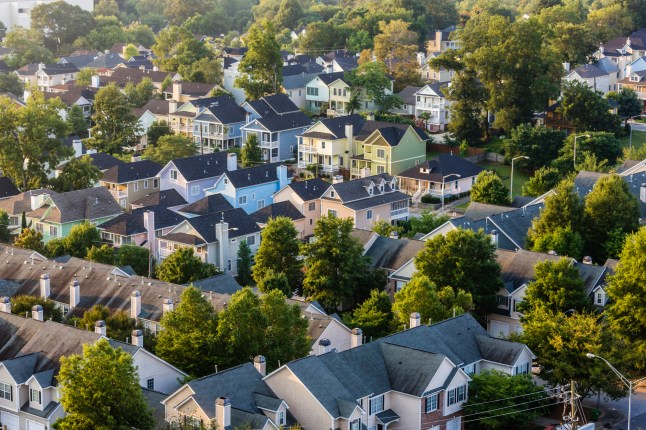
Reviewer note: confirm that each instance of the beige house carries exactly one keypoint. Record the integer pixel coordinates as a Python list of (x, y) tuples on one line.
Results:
[(132, 181), (45, 76), (306, 197)]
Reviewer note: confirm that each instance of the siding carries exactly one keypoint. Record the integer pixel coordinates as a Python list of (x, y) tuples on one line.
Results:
[(165, 376), (338, 335), (408, 409)]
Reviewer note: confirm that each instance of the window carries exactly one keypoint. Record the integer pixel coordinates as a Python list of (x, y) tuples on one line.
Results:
[(312, 206), (253, 196), (155, 184), (311, 221), (470, 369), (376, 404), (599, 300), (242, 200), (290, 93), (22, 10), (173, 175), (251, 240), (354, 425), (6, 391), (39, 227), (345, 93), (261, 204), (150, 383), (311, 91), (458, 394), (381, 169), (136, 186), (516, 303), (334, 91), (322, 145), (281, 418), (34, 396), (331, 212), (291, 149), (332, 194), (522, 369), (228, 265), (195, 190), (53, 230), (369, 214), (381, 153), (145, 184), (299, 92), (431, 403)]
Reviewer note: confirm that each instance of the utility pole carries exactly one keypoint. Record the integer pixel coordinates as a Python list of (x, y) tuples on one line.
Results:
[(573, 406)]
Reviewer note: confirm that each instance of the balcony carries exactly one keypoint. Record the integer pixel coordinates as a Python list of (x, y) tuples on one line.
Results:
[(118, 194), (165, 252), (310, 149), (641, 95), (266, 144), (399, 213), (329, 168)]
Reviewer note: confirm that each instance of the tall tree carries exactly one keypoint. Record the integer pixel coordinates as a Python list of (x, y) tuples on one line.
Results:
[(4, 226), (103, 254), (139, 94), (396, 45), (156, 130), (540, 144), (104, 373), (81, 238), (374, 316), (183, 266), (601, 145), (107, 8), (244, 264), (176, 46), (275, 281), (629, 103), (251, 152), (108, 31), (60, 23), (289, 14), (10, 83), (370, 82), (261, 69), (206, 69), (77, 174), (544, 179), (278, 252), (26, 47), (76, 119), (84, 77), (586, 108), (178, 11), (141, 34), (170, 147), (137, 257), (488, 188)]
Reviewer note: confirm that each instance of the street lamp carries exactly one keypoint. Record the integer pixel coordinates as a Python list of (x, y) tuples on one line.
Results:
[(443, 178), (511, 185), (575, 138), (627, 382)]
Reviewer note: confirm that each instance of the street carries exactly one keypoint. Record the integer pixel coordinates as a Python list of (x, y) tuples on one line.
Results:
[(638, 409)]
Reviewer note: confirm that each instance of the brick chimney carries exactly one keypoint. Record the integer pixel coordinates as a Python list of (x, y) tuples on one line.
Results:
[(100, 328), (75, 294), (37, 313), (357, 338), (138, 338), (44, 286), (223, 412), (415, 319), (260, 364), (135, 304), (5, 305)]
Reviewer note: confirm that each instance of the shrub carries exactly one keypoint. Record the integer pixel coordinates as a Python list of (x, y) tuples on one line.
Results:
[(427, 198)]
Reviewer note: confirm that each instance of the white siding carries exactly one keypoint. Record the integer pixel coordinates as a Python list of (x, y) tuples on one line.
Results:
[(339, 336), (150, 366), (409, 410)]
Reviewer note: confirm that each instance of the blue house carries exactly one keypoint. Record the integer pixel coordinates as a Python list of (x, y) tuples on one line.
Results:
[(278, 134), (252, 188), (216, 125)]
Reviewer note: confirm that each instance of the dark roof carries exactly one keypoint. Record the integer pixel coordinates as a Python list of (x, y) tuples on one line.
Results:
[(15, 205), (377, 200), (209, 204), (7, 188), (164, 198), (79, 60), (107, 61), (86, 204), (301, 69), (287, 121), (280, 103), (223, 108), (236, 51), (444, 164), (285, 208), (185, 238), (390, 131), (436, 88), (138, 63), (123, 75), (328, 78), (129, 172), (298, 81), (156, 107), (520, 201), (202, 166), (49, 69), (637, 41), (104, 161), (392, 254), (311, 189), (477, 211), (236, 218), (71, 96), (358, 188), (588, 71), (337, 125), (193, 89), (408, 94), (131, 223), (260, 106), (585, 181), (251, 176), (221, 284)]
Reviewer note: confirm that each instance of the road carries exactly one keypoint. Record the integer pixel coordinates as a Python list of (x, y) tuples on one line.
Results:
[(638, 409)]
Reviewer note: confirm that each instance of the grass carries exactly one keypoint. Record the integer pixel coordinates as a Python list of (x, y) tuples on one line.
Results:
[(462, 207), (639, 139), (496, 144), (520, 177)]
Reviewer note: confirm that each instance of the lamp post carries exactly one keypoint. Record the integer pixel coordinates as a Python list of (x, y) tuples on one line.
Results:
[(627, 382), (575, 138), (511, 185), (443, 178)]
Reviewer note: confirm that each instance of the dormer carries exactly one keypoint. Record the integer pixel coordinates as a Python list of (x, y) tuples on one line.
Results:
[(41, 390), (370, 188), (393, 184)]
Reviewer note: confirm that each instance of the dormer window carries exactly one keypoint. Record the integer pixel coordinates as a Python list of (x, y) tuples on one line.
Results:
[(381, 188), (35, 396), (332, 194)]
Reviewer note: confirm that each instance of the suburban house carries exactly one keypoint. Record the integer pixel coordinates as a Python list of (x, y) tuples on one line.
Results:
[(191, 175), (185, 91), (276, 104), (154, 110), (410, 100), (430, 74), (602, 76), (7, 188), (124, 75), (99, 159), (135, 227), (252, 188), (129, 182), (17, 204), (443, 40), (636, 66), (277, 135), (339, 60), (636, 81), (430, 101), (366, 201), (207, 205), (167, 198), (306, 197), (45, 76), (79, 96), (55, 214), (294, 85), (623, 50), (216, 126), (445, 175), (280, 209)]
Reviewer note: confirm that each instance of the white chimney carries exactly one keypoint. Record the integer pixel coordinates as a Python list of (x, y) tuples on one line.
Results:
[(223, 412), (260, 364), (77, 144), (37, 200), (494, 238), (415, 319), (100, 328), (177, 90), (135, 304), (5, 305), (138, 338), (222, 235), (281, 172), (357, 338), (324, 346), (587, 260), (248, 117), (349, 130), (167, 306), (149, 224), (44, 286), (96, 81), (370, 116), (232, 162), (642, 193), (172, 106), (75, 294), (37, 312), (337, 179)]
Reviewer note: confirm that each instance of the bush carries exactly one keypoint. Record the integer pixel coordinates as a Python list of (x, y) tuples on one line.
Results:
[(427, 198)]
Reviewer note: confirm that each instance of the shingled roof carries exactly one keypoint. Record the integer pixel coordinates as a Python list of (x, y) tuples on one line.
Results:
[(131, 223), (202, 166), (283, 209), (86, 204), (7, 188), (165, 198), (130, 172), (445, 164), (310, 189), (209, 204)]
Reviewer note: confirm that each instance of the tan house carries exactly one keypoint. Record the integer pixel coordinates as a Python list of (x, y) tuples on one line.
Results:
[(131, 181), (186, 91), (45, 76), (306, 197)]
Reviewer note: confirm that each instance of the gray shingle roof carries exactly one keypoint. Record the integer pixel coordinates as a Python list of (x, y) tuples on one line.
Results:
[(285, 209), (587, 71), (86, 204), (390, 131), (298, 81), (288, 121), (311, 189), (329, 78), (131, 223), (209, 204), (165, 198), (392, 254), (280, 103), (221, 284), (377, 200), (236, 218), (444, 164), (7, 188), (202, 166), (251, 176), (358, 189), (225, 109), (129, 172), (408, 94), (21, 368)]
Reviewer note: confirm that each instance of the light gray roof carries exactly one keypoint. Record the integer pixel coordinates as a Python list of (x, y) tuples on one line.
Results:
[(86, 204), (392, 254)]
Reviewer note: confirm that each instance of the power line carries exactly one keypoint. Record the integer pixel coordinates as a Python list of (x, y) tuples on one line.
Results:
[(509, 398)]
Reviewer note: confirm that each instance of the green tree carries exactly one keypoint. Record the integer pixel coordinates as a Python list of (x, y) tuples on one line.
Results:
[(396, 45), (289, 14), (108, 31), (30, 139), (523, 400), (544, 179), (609, 207), (170, 147), (586, 108), (189, 331), (107, 374), (76, 119), (370, 82), (77, 174), (603, 145), (462, 259), (488, 188), (156, 130), (10, 83), (55, 248), (278, 252), (425, 223), (4, 226), (178, 11), (30, 239), (137, 257), (26, 48), (104, 254), (84, 77), (60, 24), (374, 316), (22, 304), (608, 22), (115, 126), (176, 46), (183, 266), (561, 240), (275, 281), (244, 263), (629, 103), (107, 8), (208, 70), (251, 153), (540, 144), (420, 295), (138, 95), (141, 34), (81, 238), (130, 51), (262, 66)]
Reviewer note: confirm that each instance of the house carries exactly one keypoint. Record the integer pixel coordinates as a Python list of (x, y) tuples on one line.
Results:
[(80, 60), (434, 75), (280, 209), (134, 227), (207, 205), (296, 77), (234, 398), (636, 81), (277, 135), (252, 188), (79, 96), (154, 110), (18, 204), (306, 197), (636, 66), (391, 254), (167, 198), (430, 101), (55, 214), (185, 91), (443, 40), (99, 159), (339, 60), (276, 104), (445, 175), (366, 201), (105, 62), (600, 77), (129, 182), (45, 76), (18, 12), (230, 73), (7, 188), (191, 175), (123, 76), (217, 125), (623, 50), (408, 96)]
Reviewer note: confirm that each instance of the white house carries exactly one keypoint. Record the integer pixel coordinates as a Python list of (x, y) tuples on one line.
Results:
[(431, 100)]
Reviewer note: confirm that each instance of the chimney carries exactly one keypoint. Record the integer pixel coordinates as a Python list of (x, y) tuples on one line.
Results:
[(281, 172), (587, 260), (177, 90), (96, 81), (494, 238), (44, 286), (370, 116), (232, 162), (37, 312), (5, 305), (100, 328), (41, 66), (37, 200), (167, 306), (149, 223), (138, 338), (223, 412), (337, 179), (77, 144), (222, 235), (566, 66), (357, 338), (248, 117), (349, 130), (260, 364), (135, 304), (324, 346), (415, 319), (75, 294), (642, 193), (172, 106)]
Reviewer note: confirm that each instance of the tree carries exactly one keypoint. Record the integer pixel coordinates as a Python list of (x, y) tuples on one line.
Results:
[(601, 145), (608, 22), (130, 51), (104, 254), (170, 147), (396, 46), (108, 31), (84, 77), (488, 188), (275, 281), (627, 297), (289, 14), (137, 257), (119, 325), (261, 68), (370, 82), (334, 262), (586, 108), (76, 119), (138, 95), (115, 127), (30, 239), (77, 174), (183, 266), (420, 295), (176, 46), (10, 83), (4, 226), (178, 11), (251, 153), (374, 316), (279, 252), (22, 304), (425, 223), (244, 263), (609, 207), (544, 179), (561, 240), (189, 331), (104, 373), (55, 248), (26, 47), (156, 130), (106, 8), (540, 144), (30, 139), (208, 70), (462, 259), (60, 24), (81, 238), (629, 103), (522, 403), (141, 34)]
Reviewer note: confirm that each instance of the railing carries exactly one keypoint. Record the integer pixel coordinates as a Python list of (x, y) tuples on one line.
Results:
[(302, 164), (399, 212), (119, 193), (331, 113), (429, 105), (329, 168), (307, 148), (268, 144), (165, 252), (641, 95)]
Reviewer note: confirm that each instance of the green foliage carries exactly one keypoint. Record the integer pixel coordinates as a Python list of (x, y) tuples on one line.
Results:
[(245, 259), (81, 238), (275, 281), (170, 147), (289, 14), (26, 47), (107, 374), (84, 77), (130, 51), (251, 153), (523, 400), (261, 68), (488, 188), (141, 34), (629, 103), (544, 179), (22, 304), (104, 254), (384, 228), (30, 239), (540, 144), (156, 130), (60, 24), (176, 46), (76, 120), (4, 226), (136, 257), (278, 252), (603, 145), (369, 82), (562, 240), (119, 325), (138, 95), (374, 316), (77, 174), (183, 266), (462, 259), (396, 45), (107, 8), (55, 248), (108, 31), (10, 83), (586, 108), (425, 223), (208, 70)]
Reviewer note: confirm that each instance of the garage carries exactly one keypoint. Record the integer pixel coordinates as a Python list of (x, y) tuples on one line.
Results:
[(10, 421), (33, 425)]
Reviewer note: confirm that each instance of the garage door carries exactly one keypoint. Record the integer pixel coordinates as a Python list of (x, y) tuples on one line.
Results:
[(454, 424), (33, 425), (499, 329), (10, 421)]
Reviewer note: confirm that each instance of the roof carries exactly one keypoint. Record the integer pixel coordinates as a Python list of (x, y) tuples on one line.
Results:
[(129, 172), (445, 164), (280, 103), (392, 254), (435, 87), (584, 183), (391, 132), (587, 71), (408, 94), (124, 75), (86, 204), (377, 200), (223, 108), (255, 175), (284, 209), (71, 96), (209, 204), (240, 224), (104, 161), (221, 284), (193, 89), (357, 189), (202, 166), (287, 121), (337, 125), (7, 188), (107, 61), (328, 78), (306, 68), (291, 82), (17, 204), (310, 189), (79, 60), (131, 223), (477, 211), (165, 198), (637, 41), (48, 69), (156, 107)]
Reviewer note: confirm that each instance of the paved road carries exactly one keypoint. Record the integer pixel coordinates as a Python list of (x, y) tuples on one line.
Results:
[(638, 409)]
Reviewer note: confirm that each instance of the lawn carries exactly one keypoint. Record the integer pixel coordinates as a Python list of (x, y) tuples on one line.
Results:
[(496, 144), (639, 139), (520, 177)]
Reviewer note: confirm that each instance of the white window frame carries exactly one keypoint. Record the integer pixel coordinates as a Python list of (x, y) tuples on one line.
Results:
[(53, 230), (195, 190), (261, 204), (6, 391), (381, 153), (431, 403), (376, 404), (369, 214), (33, 398), (251, 240), (242, 200), (173, 175), (145, 184)]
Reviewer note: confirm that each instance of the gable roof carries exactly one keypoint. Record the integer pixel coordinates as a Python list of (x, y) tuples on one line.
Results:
[(255, 175), (240, 224), (434, 170), (391, 132), (107, 61), (7, 188), (131, 223), (104, 161), (165, 198), (310, 189), (71, 96), (408, 94), (297, 81), (587, 71), (222, 108), (129, 172), (19, 203), (336, 126), (156, 107), (202, 166), (86, 204), (478, 211), (79, 60), (48, 69), (435, 87), (392, 254), (193, 89), (284, 208), (209, 204), (329, 78), (637, 41), (280, 103), (357, 189), (288, 121)]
